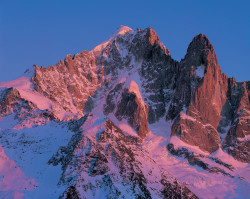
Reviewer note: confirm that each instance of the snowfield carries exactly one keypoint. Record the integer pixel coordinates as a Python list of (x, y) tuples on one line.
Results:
[(28, 150)]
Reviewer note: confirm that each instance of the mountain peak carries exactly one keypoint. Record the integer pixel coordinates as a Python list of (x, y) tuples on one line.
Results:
[(152, 36), (201, 38), (122, 30), (200, 42), (127, 109), (198, 51)]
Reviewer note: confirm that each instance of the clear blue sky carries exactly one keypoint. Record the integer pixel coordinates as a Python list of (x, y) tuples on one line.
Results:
[(43, 32)]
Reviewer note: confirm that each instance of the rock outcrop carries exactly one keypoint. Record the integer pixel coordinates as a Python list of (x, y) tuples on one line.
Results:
[(237, 141), (200, 96), (70, 82), (104, 157)]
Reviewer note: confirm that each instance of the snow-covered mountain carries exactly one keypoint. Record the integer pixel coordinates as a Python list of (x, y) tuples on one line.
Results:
[(125, 120)]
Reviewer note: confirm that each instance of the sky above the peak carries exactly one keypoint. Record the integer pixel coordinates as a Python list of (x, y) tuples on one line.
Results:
[(43, 32)]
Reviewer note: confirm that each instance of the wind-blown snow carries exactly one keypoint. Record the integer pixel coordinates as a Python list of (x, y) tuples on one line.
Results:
[(122, 30), (178, 143), (25, 88), (96, 51), (127, 130)]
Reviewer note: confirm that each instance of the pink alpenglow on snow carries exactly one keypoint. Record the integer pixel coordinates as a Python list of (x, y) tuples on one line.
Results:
[(12, 180), (126, 120)]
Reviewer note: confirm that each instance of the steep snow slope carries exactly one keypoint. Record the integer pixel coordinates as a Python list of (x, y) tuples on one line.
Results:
[(30, 150), (26, 90), (105, 163), (12, 180), (209, 176)]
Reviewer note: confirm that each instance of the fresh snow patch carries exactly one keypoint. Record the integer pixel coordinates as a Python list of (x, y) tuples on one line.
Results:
[(179, 143), (128, 131), (135, 89), (225, 157), (187, 117), (93, 126), (20, 83), (98, 49), (123, 79), (91, 122), (199, 71), (244, 139), (184, 109), (122, 50)]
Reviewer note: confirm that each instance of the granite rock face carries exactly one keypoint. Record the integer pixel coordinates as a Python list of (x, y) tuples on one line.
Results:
[(200, 96), (193, 93), (237, 142), (207, 103), (9, 99), (135, 111), (25, 112), (70, 82)]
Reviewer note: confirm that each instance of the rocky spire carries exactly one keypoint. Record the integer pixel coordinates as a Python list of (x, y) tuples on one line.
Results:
[(203, 94), (200, 51), (153, 39), (199, 42)]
